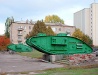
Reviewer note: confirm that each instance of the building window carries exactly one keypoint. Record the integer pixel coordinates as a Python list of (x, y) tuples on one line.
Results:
[(91, 6), (29, 27), (54, 29), (91, 14), (20, 27), (19, 41), (19, 37), (19, 32), (59, 29), (24, 27), (91, 33), (91, 37), (68, 30), (91, 22), (91, 18), (91, 26), (91, 29)]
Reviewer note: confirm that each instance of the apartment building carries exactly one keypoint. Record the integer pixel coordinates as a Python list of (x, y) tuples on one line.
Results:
[(61, 28), (81, 20), (19, 30), (87, 21)]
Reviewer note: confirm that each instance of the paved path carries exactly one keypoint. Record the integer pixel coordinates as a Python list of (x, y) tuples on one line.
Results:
[(17, 63)]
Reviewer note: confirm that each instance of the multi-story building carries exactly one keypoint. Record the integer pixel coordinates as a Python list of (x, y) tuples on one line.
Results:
[(61, 28), (19, 30), (81, 20), (87, 21)]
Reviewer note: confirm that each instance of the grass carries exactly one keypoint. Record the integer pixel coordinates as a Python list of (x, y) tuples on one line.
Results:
[(72, 70), (34, 54), (66, 71), (63, 71)]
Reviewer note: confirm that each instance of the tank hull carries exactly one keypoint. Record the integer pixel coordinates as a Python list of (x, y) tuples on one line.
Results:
[(59, 45), (19, 48)]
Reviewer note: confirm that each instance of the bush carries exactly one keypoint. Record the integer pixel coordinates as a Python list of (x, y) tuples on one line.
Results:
[(4, 41)]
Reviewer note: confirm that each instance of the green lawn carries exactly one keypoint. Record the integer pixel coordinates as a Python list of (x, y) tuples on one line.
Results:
[(34, 54), (64, 71)]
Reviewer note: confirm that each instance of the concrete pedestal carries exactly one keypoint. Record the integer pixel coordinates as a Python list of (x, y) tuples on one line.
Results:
[(52, 58)]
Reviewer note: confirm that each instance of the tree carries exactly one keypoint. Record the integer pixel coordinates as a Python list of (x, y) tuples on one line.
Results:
[(8, 22), (80, 35), (87, 39), (50, 31), (7, 34), (40, 27), (53, 19), (4, 41)]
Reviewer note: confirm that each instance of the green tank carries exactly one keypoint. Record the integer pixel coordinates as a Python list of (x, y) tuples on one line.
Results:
[(19, 47), (59, 44)]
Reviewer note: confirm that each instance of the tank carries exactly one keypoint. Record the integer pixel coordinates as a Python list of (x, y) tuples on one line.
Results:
[(19, 47), (59, 44)]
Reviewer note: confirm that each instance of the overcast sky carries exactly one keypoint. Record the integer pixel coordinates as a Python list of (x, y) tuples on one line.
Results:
[(38, 9)]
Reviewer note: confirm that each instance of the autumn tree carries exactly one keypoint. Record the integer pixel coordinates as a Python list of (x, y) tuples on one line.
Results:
[(4, 41), (87, 39), (80, 35), (53, 19), (50, 31), (40, 27)]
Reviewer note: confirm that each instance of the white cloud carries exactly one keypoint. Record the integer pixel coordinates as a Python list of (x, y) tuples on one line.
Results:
[(2, 28)]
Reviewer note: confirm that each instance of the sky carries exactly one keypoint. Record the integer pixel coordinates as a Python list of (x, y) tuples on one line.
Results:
[(38, 9)]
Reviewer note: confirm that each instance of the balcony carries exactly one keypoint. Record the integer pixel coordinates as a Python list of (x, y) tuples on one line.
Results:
[(19, 39), (20, 29), (20, 34)]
